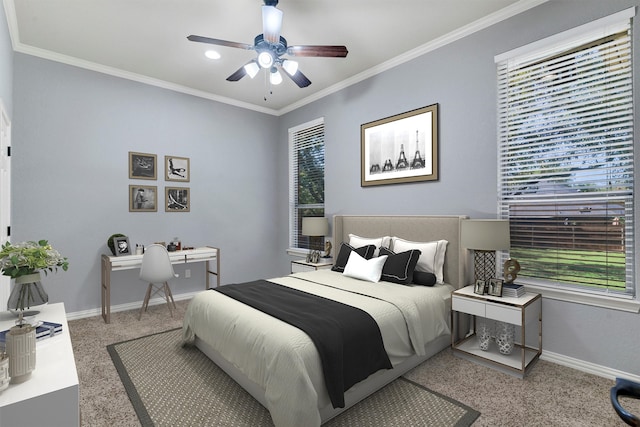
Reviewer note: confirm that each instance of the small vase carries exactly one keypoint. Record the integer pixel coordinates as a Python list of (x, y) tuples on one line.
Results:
[(505, 334), (27, 292), (21, 349), (484, 336)]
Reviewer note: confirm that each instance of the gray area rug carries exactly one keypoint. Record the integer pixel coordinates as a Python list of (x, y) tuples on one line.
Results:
[(172, 385)]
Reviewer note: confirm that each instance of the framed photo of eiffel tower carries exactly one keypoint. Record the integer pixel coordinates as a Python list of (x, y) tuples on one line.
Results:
[(401, 148)]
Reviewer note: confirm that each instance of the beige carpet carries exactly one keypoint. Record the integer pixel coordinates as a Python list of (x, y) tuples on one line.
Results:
[(174, 385)]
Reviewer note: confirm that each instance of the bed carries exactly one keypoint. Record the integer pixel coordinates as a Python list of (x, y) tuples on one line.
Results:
[(279, 365)]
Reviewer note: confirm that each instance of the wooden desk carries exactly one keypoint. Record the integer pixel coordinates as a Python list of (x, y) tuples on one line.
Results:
[(129, 262), (51, 397)]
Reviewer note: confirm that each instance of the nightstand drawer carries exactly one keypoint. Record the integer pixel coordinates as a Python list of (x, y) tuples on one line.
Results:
[(504, 314), (297, 268), (466, 305)]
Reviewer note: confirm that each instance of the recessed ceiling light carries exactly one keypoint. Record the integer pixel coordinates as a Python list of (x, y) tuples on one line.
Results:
[(212, 54)]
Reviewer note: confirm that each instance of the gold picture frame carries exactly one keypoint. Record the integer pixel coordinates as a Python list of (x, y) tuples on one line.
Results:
[(142, 165), (143, 198), (177, 199), (383, 144), (176, 168)]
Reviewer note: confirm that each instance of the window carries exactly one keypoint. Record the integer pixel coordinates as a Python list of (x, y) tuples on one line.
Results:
[(306, 181), (565, 158)]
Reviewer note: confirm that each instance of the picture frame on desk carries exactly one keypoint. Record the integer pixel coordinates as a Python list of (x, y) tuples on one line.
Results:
[(122, 246), (479, 287), (495, 287)]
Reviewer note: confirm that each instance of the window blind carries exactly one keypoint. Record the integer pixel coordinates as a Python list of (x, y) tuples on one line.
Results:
[(306, 181), (565, 158)]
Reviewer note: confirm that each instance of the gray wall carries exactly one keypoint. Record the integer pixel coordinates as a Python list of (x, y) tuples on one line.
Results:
[(461, 78), (72, 131), (6, 65)]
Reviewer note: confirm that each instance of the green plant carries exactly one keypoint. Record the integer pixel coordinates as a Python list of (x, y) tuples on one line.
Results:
[(30, 257)]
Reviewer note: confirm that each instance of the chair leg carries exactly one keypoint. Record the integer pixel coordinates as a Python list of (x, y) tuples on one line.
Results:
[(145, 303), (168, 291), (168, 297)]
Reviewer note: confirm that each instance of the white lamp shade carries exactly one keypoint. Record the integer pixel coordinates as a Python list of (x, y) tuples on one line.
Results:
[(485, 234), (265, 59), (315, 226), (252, 68), (275, 77), (291, 67)]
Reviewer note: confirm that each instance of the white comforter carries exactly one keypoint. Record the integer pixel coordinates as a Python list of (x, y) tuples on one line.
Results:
[(283, 359)]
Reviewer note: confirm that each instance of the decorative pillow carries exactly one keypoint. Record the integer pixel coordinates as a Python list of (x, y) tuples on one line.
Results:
[(432, 255), (345, 250), (364, 269), (399, 267), (378, 242), (423, 278)]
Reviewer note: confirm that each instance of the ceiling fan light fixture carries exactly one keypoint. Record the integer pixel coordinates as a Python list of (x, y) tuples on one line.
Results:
[(212, 54), (265, 59), (271, 23), (275, 78), (291, 67), (252, 69)]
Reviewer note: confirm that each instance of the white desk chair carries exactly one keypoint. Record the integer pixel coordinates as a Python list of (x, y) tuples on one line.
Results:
[(157, 270)]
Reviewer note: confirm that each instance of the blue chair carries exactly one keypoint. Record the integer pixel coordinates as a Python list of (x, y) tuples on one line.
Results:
[(625, 388)]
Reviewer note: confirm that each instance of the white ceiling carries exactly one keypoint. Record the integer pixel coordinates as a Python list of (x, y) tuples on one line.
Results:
[(145, 40)]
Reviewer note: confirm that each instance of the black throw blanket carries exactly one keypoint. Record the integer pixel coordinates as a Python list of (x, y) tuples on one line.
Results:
[(348, 339)]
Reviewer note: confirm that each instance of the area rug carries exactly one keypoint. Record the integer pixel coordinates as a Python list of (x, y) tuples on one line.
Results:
[(172, 385)]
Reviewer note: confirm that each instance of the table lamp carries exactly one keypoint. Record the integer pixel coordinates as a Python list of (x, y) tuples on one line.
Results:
[(485, 237), (315, 227)]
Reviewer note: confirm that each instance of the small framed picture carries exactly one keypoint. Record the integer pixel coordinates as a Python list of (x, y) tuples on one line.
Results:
[(142, 165), (177, 199), (176, 168), (143, 198), (479, 288), (121, 245), (495, 287)]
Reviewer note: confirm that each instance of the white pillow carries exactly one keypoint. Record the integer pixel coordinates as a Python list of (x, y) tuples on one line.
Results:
[(431, 258), (364, 269), (358, 242)]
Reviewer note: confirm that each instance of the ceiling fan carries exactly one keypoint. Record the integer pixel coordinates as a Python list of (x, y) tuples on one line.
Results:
[(271, 47)]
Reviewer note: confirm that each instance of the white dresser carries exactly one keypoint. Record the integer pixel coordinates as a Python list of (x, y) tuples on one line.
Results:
[(51, 397)]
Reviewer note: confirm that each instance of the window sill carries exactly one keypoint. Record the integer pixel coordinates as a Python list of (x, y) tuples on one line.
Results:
[(622, 304), (298, 252)]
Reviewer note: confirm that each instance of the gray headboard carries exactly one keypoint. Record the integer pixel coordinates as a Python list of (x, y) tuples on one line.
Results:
[(417, 228)]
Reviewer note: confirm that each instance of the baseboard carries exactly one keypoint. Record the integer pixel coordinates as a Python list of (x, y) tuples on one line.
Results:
[(128, 306), (588, 367)]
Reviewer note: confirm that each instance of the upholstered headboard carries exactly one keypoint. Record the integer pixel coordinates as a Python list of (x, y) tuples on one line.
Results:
[(417, 228)]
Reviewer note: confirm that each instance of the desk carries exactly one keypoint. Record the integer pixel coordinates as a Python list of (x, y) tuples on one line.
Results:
[(130, 262), (51, 397)]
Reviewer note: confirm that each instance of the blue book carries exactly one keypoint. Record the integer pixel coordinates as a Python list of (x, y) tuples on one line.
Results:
[(43, 330)]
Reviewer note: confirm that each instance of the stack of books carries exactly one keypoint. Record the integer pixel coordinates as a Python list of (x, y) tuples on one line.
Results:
[(43, 330), (512, 290)]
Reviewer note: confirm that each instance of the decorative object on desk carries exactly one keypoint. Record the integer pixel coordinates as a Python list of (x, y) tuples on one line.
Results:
[(327, 249), (315, 228), (176, 242), (485, 237), (143, 198), (21, 348), (142, 165), (110, 243), (484, 335), (512, 290), (480, 287), (510, 269), (177, 199), (176, 168), (505, 334), (495, 287), (122, 246), (5, 378), (382, 156), (24, 262)]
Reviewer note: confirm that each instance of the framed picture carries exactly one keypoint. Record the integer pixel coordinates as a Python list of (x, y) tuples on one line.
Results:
[(400, 148), (176, 168), (495, 287), (143, 198), (121, 244), (480, 287), (142, 165), (177, 199)]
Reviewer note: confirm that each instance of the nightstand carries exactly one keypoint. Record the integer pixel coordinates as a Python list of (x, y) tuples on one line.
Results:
[(524, 312), (299, 265)]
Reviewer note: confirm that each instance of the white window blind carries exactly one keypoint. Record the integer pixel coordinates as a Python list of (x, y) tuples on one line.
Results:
[(565, 181), (306, 181)]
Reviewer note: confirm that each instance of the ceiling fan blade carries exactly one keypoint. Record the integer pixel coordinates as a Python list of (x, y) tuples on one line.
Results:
[(240, 73), (298, 78), (219, 42), (325, 51), (271, 23)]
